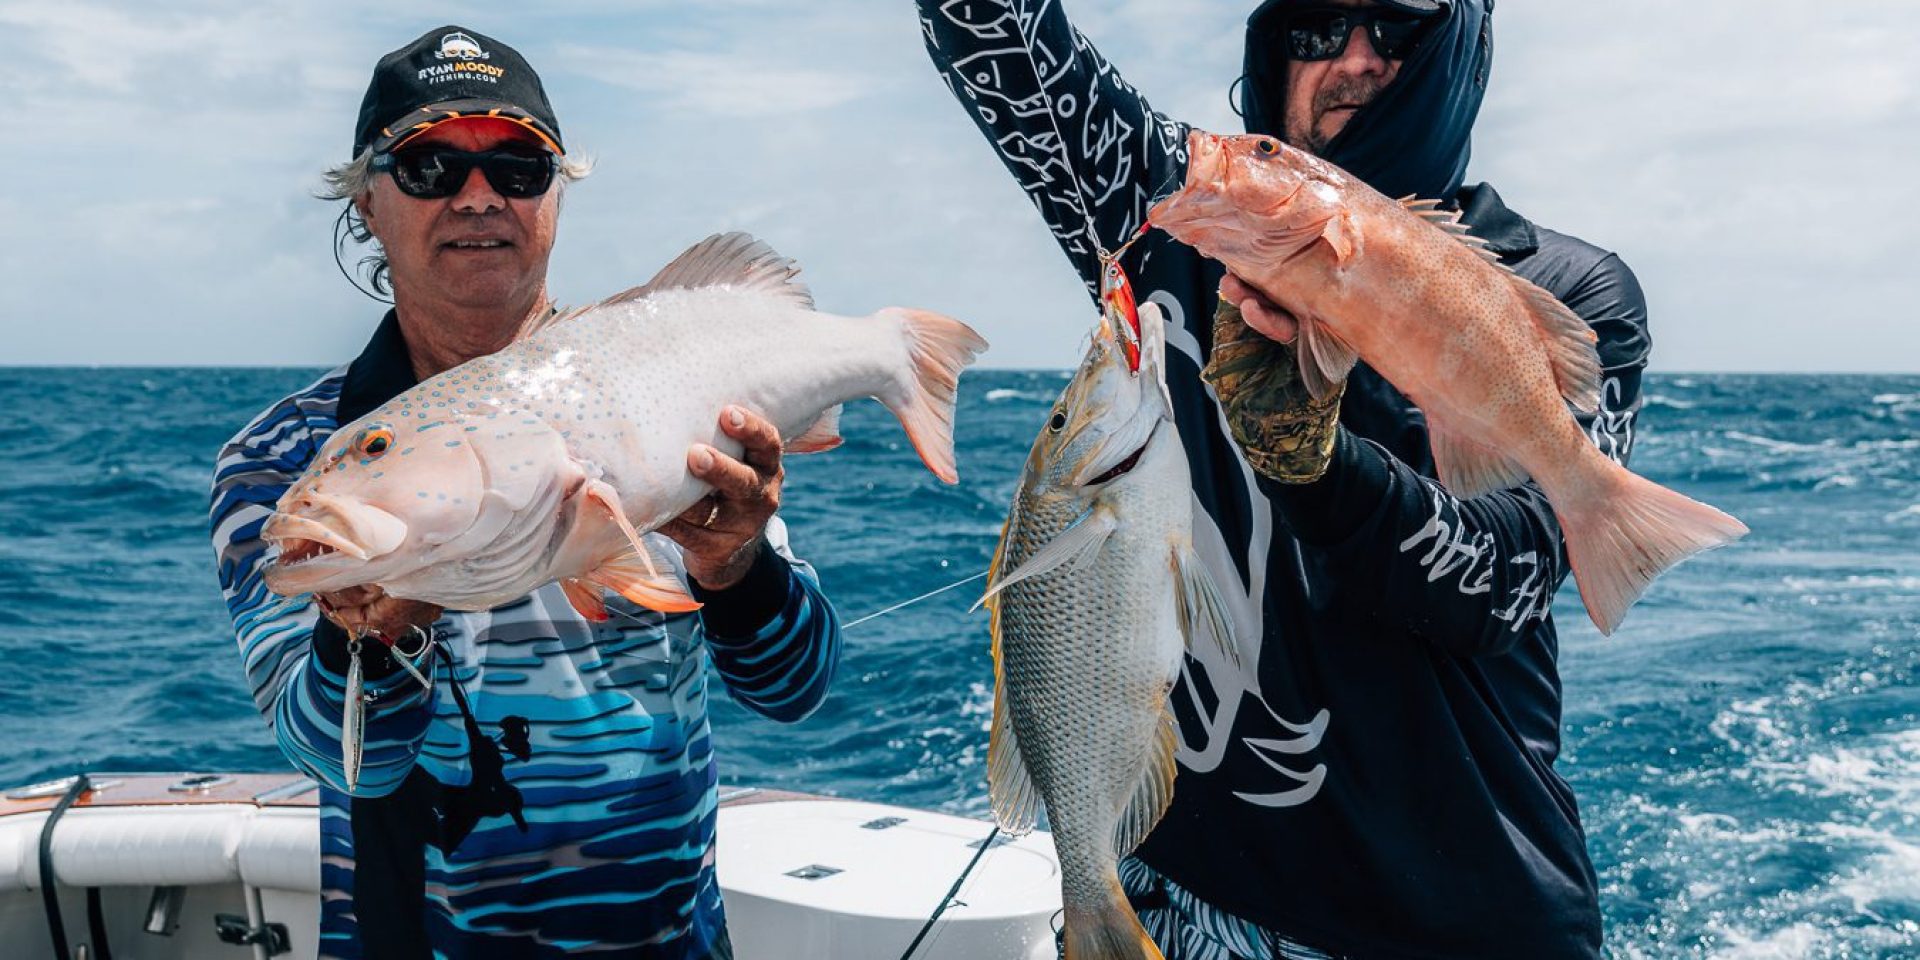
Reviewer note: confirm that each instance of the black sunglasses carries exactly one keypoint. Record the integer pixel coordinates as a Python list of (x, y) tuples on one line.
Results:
[(437, 172), (1321, 33)]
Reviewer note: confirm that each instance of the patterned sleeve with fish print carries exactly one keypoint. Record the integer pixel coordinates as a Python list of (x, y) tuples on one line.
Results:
[(774, 637), (301, 698), (1472, 575), (1085, 146)]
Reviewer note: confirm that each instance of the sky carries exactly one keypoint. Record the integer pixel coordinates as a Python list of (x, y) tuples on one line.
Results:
[(1752, 161)]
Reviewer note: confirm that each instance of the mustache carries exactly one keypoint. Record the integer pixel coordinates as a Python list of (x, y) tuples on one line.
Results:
[(1353, 90)]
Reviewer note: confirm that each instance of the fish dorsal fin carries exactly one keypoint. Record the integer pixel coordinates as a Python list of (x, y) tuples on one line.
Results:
[(1570, 344), (734, 259), (1568, 339), (1449, 223)]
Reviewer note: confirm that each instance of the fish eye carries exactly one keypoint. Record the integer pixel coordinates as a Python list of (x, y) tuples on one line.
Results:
[(1058, 422), (1267, 148), (374, 441)]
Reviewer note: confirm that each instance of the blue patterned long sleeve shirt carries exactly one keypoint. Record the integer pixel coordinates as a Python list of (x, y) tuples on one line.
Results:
[(598, 731)]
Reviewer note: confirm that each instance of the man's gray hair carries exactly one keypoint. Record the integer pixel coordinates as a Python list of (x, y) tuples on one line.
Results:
[(352, 180)]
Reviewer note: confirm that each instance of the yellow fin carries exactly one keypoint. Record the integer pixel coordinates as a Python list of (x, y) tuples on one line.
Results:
[(1153, 793), (1108, 930)]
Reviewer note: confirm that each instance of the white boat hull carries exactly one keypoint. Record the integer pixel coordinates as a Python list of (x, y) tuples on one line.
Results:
[(803, 877)]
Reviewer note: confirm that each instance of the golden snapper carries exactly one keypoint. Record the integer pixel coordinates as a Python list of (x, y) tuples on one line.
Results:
[(1095, 590)]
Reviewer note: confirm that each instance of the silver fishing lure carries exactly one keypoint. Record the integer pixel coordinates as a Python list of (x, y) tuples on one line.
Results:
[(353, 722)]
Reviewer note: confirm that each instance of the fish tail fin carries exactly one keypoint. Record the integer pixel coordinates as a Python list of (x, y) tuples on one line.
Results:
[(1619, 542), (1108, 930), (940, 347)]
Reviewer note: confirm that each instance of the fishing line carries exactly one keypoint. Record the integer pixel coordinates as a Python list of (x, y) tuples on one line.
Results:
[(907, 603), (1079, 189)]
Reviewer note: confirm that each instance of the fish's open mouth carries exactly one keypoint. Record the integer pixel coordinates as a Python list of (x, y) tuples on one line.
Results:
[(1119, 469), (297, 551)]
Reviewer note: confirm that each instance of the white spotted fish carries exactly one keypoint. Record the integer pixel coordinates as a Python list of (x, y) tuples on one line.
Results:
[(550, 459)]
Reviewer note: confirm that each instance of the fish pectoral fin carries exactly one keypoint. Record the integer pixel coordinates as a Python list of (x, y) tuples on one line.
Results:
[(644, 576), (585, 598), (1570, 345), (1074, 544), (1468, 468), (1341, 237), (823, 435), (1153, 793), (1016, 801), (1325, 359), (640, 578), (1203, 614)]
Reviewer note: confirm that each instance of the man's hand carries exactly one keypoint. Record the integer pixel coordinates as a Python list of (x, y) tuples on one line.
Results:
[(723, 534), (1285, 434), (368, 609), (1267, 318)]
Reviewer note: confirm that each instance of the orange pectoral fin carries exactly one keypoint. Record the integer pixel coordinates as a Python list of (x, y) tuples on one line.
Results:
[(639, 579), (642, 576), (585, 598)]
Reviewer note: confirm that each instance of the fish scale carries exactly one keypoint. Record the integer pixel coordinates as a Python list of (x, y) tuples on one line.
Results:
[(1092, 606)]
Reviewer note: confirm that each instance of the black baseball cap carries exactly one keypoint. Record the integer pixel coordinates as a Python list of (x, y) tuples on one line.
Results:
[(451, 73), (1419, 8)]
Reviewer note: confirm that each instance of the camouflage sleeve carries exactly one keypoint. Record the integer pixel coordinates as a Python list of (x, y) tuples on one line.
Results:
[(1286, 434)]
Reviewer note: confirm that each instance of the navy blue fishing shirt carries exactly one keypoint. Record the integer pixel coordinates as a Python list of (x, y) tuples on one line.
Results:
[(1377, 778)]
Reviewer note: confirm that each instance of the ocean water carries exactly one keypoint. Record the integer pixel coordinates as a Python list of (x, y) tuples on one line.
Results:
[(1746, 750)]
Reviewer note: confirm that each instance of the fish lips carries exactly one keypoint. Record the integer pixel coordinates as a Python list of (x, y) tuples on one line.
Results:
[(1206, 174), (328, 545)]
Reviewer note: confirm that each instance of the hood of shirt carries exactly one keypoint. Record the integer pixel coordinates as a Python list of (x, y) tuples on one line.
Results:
[(1413, 139)]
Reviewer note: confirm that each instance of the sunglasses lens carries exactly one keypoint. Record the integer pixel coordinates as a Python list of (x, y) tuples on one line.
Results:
[(436, 174), (1395, 38), (519, 175), (1317, 34), (429, 173)]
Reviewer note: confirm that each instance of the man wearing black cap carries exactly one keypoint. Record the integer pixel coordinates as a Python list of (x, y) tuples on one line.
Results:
[(549, 787), (1378, 781)]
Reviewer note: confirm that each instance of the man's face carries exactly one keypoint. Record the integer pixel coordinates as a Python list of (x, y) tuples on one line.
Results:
[(476, 248), (1323, 95)]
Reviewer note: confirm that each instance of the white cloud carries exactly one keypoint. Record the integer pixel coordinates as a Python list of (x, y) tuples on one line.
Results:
[(732, 85), (1749, 159)]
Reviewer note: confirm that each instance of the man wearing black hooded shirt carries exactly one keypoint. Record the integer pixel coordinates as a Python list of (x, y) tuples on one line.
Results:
[(1378, 780)]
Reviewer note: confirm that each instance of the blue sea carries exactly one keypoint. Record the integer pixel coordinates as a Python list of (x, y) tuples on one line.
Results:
[(1746, 749)]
